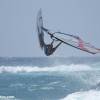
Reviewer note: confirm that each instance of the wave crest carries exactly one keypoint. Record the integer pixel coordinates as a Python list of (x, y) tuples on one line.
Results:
[(87, 95), (60, 68)]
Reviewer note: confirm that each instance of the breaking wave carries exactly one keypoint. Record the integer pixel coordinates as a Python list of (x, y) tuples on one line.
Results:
[(60, 68), (87, 95)]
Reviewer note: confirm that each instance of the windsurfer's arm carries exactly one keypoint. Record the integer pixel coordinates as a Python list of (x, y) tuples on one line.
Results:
[(57, 46)]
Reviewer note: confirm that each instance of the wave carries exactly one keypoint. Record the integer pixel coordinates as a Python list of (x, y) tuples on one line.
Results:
[(87, 95), (60, 68)]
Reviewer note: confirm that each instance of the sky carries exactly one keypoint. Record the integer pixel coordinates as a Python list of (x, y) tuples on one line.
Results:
[(18, 34)]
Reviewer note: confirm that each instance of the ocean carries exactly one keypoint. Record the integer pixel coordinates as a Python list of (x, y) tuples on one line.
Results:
[(73, 78)]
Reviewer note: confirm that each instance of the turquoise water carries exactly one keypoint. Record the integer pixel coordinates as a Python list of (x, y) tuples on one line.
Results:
[(50, 78)]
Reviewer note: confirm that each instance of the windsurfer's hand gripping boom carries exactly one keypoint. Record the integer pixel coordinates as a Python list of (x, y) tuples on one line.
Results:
[(50, 48)]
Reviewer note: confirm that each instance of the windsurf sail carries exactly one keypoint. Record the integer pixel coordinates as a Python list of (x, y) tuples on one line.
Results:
[(69, 39), (74, 41), (78, 43)]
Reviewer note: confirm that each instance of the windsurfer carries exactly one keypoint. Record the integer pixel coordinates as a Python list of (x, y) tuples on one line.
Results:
[(50, 49)]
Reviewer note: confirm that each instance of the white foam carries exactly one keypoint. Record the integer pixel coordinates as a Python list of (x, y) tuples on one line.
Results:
[(60, 68), (46, 88), (87, 95)]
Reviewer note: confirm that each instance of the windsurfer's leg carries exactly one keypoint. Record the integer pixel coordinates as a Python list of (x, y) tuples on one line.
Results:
[(44, 29)]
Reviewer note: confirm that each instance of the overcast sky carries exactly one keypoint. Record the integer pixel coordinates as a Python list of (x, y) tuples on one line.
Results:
[(18, 35)]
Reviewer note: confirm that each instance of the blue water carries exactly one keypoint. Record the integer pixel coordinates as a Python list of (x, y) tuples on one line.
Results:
[(49, 78)]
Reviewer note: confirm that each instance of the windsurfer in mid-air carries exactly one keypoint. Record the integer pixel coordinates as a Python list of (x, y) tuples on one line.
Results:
[(75, 41), (48, 48)]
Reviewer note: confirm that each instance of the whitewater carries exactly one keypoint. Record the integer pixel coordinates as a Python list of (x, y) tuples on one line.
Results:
[(60, 68), (50, 78)]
